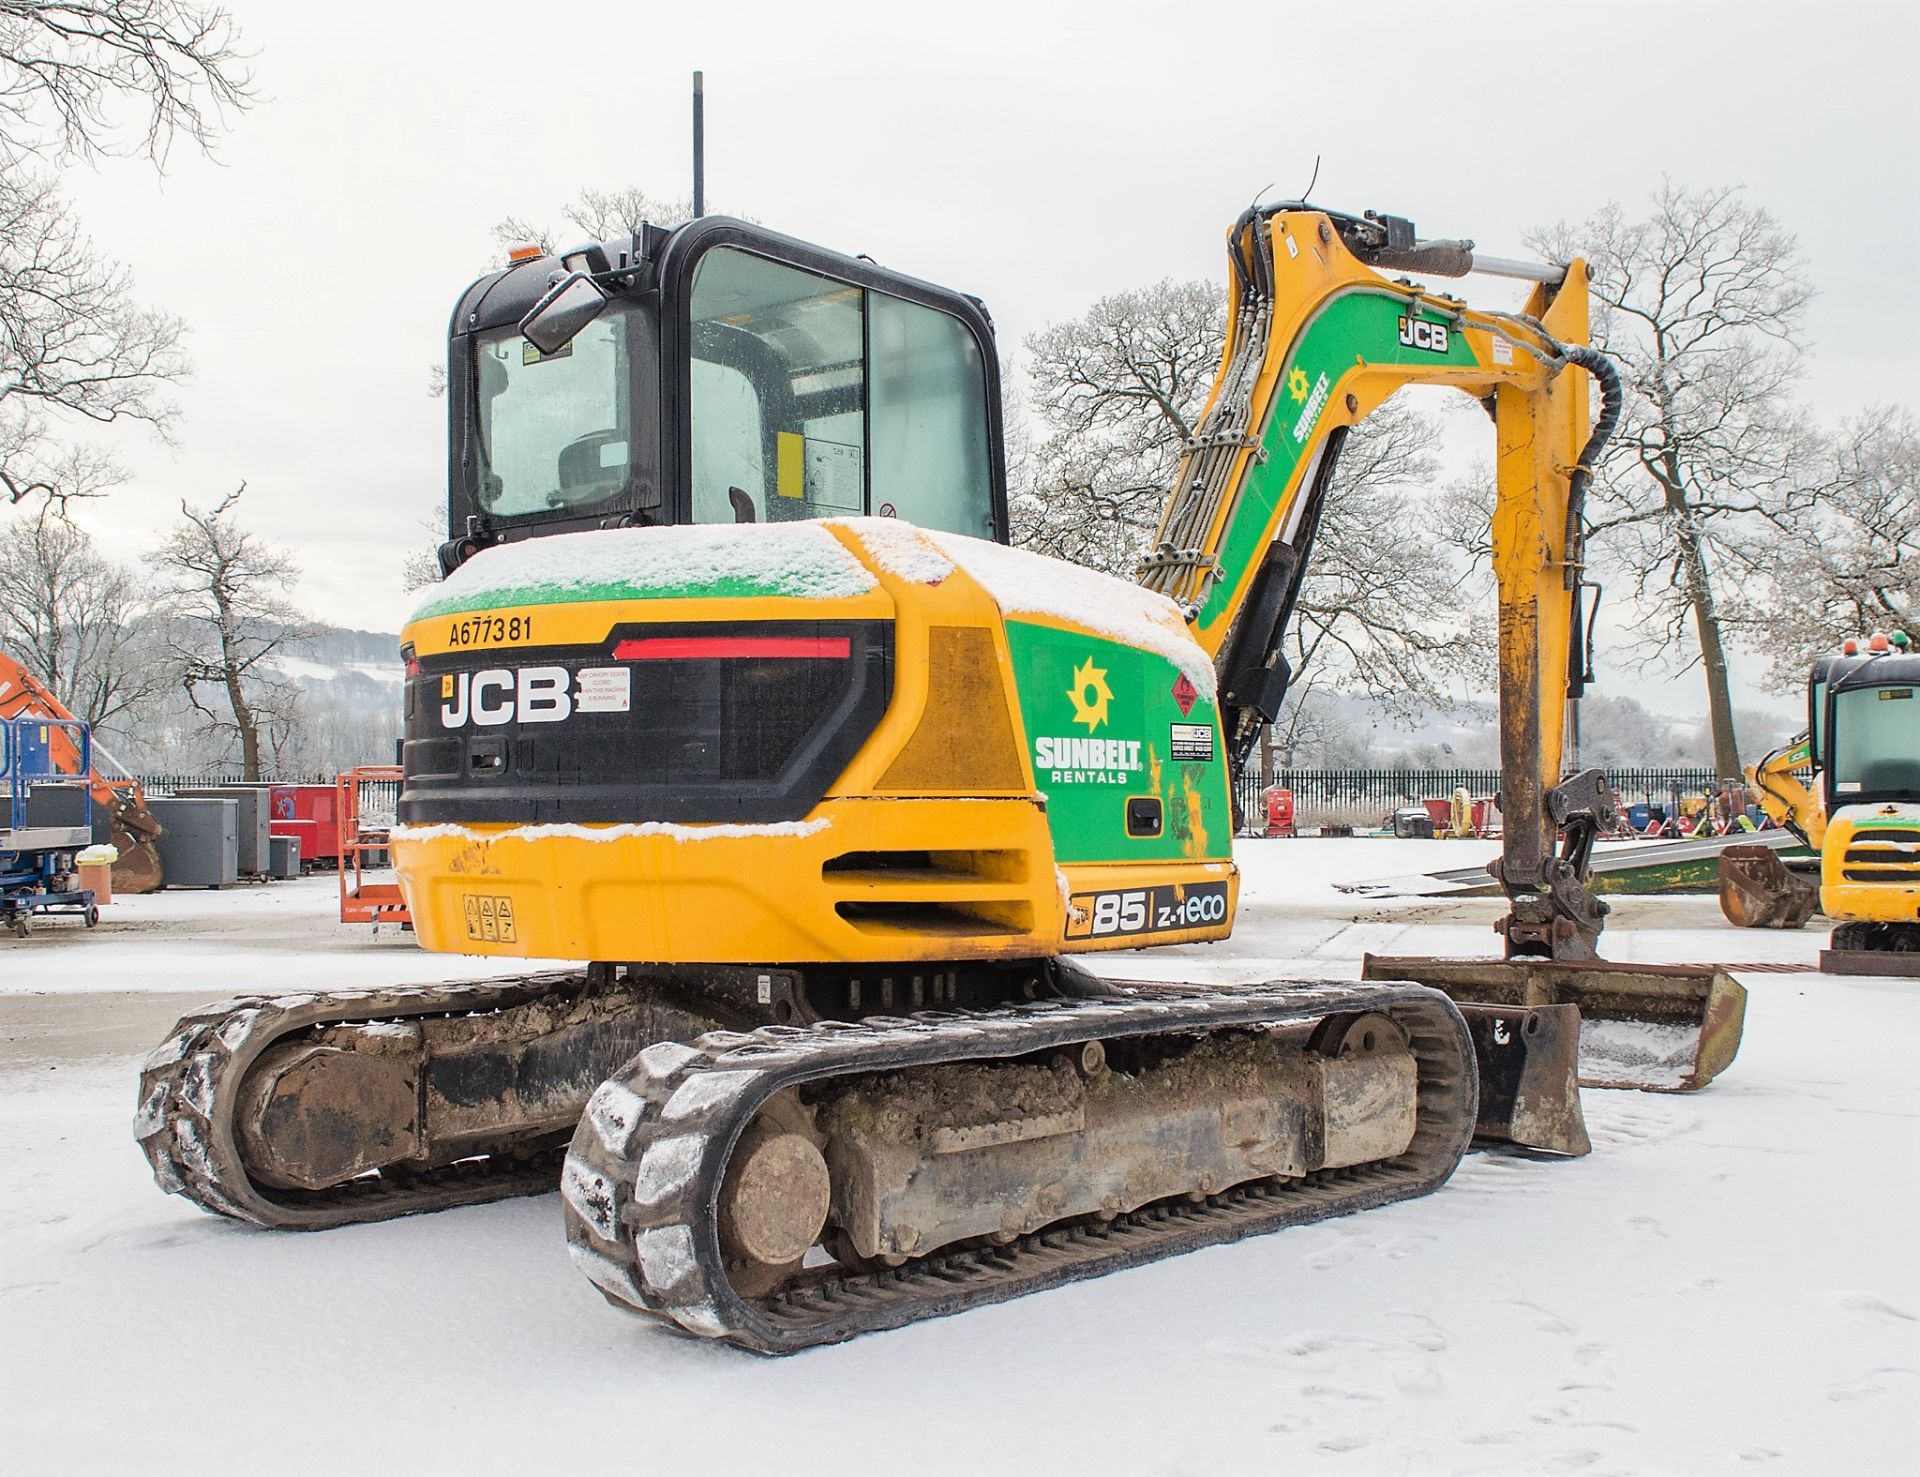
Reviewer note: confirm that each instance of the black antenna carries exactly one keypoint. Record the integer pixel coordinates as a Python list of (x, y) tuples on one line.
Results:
[(699, 146), (1303, 194)]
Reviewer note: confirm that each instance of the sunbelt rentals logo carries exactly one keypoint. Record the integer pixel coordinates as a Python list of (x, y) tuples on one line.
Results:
[(1316, 401), (1075, 759)]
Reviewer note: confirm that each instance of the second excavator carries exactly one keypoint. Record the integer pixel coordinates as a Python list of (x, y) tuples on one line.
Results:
[(734, 690), (1859, 811)]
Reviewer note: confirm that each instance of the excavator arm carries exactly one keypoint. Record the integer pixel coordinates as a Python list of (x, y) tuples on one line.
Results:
[(1782, 794), (1318, 339)]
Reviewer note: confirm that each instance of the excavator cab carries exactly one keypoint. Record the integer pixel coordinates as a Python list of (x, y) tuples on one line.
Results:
[(1859, 811), (1869, 758), (717, 373)]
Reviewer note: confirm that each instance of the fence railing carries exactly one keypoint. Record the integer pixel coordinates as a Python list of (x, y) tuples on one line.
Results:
[(379, 799), (167, 784), (1367, 795), (1319, 795)]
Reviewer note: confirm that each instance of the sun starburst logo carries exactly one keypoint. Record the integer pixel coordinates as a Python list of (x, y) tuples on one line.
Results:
[(1090, 695), (1297, 384)]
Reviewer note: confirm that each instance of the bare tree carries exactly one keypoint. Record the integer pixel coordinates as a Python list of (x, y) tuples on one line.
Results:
[(74, 347), (1384, 604), (597, 215), (79, 621), (72, 70), (1849, 564), (81, 78), (229, 622), (1701, 303), (1117, 392)]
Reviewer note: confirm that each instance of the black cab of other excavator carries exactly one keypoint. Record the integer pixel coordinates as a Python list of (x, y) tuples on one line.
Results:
[(718, 372)]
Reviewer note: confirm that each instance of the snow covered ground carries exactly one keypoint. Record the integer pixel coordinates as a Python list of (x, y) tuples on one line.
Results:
[(1728, 1283)]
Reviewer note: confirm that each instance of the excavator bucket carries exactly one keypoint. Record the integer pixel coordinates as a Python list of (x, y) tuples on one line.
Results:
[(1758, 891), (1656, 1027), (1528, 1062), (138, 868)]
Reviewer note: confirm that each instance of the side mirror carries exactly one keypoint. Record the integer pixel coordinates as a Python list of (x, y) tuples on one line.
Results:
[(567, 308)]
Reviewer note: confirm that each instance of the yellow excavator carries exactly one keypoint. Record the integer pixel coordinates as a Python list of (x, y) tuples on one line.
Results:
[(1859, 811), (734, 689)]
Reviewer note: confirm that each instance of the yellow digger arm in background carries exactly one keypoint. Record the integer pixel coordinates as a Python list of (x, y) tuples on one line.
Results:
[(1785, 796), (1317, 339)]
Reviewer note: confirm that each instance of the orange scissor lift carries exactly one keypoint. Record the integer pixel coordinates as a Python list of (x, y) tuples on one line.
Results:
[(364, 843)]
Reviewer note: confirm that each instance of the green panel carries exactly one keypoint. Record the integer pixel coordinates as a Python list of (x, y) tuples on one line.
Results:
[(549, 592), (1100, 723), (1361, 325)]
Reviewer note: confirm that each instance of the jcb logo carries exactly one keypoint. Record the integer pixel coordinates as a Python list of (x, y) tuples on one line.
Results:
[(496, 696), (1418, 333)]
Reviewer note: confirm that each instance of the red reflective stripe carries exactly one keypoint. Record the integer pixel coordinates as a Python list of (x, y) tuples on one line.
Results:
[(686, 648)]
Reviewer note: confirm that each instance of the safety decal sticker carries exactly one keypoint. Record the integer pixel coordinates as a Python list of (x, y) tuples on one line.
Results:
[(490, 919)]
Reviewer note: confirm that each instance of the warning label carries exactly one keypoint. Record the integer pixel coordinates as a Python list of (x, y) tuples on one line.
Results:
[(490, 919), (604, 690)]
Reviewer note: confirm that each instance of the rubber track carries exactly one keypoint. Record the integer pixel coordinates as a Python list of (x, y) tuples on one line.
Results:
[(643, 1174), (188, 1089)]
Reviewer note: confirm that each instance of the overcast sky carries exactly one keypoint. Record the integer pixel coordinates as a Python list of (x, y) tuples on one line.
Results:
[(1036, 154)]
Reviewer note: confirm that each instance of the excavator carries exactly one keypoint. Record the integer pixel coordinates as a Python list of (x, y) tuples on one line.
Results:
[(121, 797), (734, 690), (1860, 813)]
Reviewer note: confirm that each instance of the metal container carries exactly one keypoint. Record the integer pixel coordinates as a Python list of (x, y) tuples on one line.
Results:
[(201, 844), (283, 858), (255, 818)]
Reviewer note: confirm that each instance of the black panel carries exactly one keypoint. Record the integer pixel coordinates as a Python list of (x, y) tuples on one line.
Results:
[(724, 732)]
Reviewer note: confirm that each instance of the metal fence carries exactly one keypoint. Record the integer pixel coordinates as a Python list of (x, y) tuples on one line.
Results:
[(1319, 795), (1367, 795), (379, 799)]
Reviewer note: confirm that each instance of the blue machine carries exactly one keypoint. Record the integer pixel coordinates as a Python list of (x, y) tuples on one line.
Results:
[(46, 816)]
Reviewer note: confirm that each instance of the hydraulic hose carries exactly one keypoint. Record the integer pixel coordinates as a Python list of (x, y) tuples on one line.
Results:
[(1613, 401)]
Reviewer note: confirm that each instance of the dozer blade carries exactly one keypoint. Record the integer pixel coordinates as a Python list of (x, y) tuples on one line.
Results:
[(1528, 1063), (1656, 1027), (1904, 964), (1758, 891)]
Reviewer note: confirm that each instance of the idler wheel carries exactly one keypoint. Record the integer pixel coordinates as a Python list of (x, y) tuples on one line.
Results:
[(775, 1198), (773, 1205)]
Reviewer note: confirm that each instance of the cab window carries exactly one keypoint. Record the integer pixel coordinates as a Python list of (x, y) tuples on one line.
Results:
[(553, 428), (813, 398)]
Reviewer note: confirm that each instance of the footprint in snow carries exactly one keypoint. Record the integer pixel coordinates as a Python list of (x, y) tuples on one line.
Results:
[(1408, 1246), (1548, 1320), (1874, 1382), (1432, 1339), (1628, 1124), (1334, 1392), (1870, 1309)]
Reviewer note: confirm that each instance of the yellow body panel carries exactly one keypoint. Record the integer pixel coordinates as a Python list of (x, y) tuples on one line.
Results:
[(932, 844), (743, 894), (1085, 883), (587, 622), (1880, 900)]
